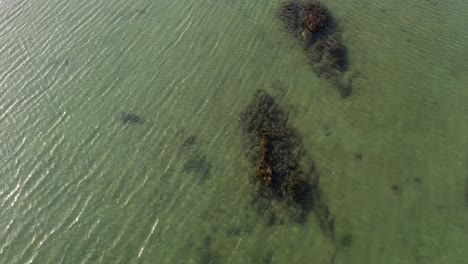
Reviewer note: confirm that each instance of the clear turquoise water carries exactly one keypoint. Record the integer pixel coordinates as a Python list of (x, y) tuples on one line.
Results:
[(79, 186)]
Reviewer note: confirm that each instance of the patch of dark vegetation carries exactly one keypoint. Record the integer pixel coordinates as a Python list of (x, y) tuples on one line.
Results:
[(317, 22), (329, 60), (205, 253), (281, 185), (130, 118), (199, 165), (357, 155), (190, 141), (307, 21), (278, 174), (346, 240), (396, 189), (316, 28), (291, 15), (240, 230), (236, 231), (194, 160), (322, 212), (278, 149), (418, 180), (328, 57), (268, 258), (328, 131)]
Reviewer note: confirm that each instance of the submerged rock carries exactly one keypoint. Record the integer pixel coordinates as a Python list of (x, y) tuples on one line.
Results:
[(315, 27), (317, 22), (278, 150), (308, 21), (281, 184)]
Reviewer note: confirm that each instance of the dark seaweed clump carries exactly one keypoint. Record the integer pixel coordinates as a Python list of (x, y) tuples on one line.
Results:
[(278, 150), (290, 13), (206, 255), (129, 118), (315, 27), (346, 240), (199, 165), (196, 162), (280, 181)]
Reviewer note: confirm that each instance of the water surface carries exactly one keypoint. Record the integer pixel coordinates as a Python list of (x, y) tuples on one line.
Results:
[(78, 185)]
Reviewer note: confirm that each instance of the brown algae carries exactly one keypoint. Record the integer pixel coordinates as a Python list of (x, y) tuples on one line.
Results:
[(315, 27), (283, 189)]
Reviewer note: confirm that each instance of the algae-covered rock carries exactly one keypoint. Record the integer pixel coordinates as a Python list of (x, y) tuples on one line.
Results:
[(278, 148), (282, 187), (315, 27), (277, 151)]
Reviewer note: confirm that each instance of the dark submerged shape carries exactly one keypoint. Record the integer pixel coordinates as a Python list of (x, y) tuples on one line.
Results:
[(281, 183), (346, 240), (329, 60), (199, 165), (308, 21), (195, 161), (317, 20), (329, 57), (291, 13), (315, 27), (129, 118), (278, 150), (190, 141)]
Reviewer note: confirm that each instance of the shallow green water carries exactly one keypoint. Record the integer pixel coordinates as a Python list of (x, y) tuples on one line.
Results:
[(79, 186)]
